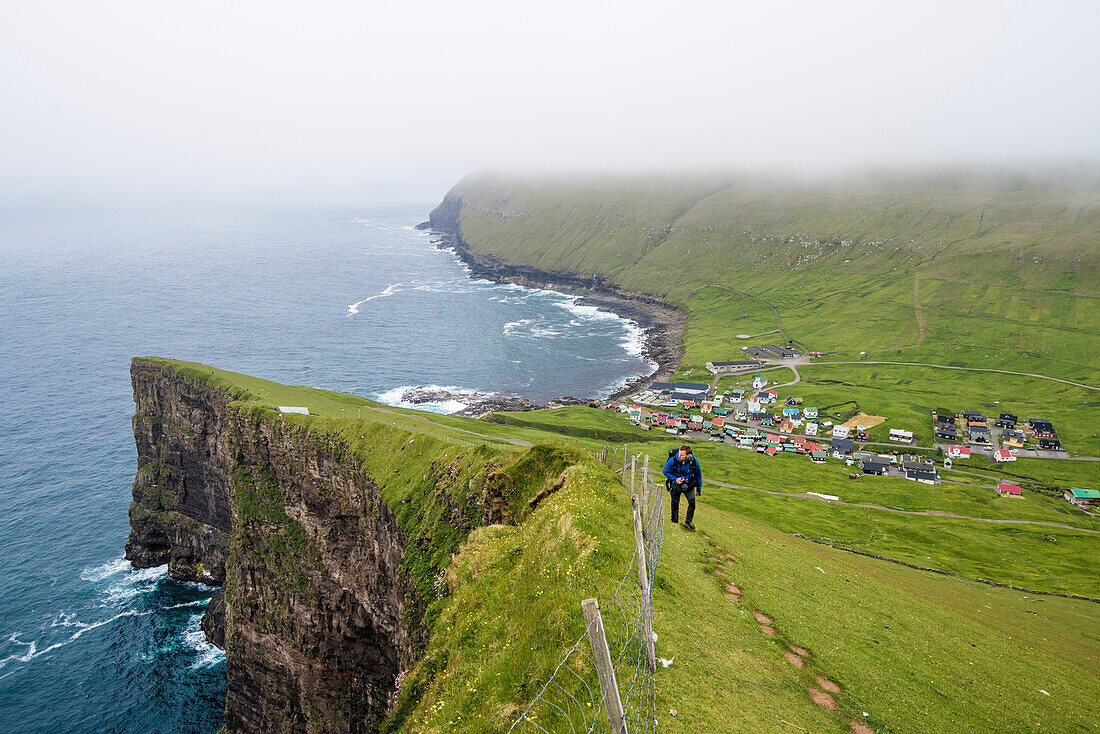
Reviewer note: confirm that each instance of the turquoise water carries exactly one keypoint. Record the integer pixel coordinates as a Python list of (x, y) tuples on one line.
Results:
[(351, 299)]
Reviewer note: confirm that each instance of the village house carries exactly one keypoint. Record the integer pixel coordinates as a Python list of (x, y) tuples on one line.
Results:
[(1042, 428), (1006, 420), (811, 429), (736, 396), (896, 434), (723, 368), (1002, 456), (818, 456), (1014, 439), (1083, 498), (841, 447), (958, 452), (874, 467), (924, 476), (1012, 490), (1049, 444), (840, 431), (810, 413), (978, 434)]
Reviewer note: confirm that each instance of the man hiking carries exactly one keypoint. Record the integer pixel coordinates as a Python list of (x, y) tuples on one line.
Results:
[(684, 476)]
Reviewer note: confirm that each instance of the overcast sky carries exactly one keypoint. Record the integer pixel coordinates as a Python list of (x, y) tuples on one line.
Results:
[(237, 96)]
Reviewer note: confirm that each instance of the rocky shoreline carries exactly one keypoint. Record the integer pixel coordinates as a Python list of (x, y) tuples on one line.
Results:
[(662, 324), (479, 404)]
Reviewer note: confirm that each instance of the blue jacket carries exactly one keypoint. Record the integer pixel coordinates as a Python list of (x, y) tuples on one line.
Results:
[(689, 470)]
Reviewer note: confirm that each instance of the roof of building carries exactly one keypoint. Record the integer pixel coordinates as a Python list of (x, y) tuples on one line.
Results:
[(1084, 493), (1010, 488), (919, 474), (738, 363), (693, 386)]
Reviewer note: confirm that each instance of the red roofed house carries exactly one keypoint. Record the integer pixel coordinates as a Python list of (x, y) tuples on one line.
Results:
[(1003, 455), (958, 452), (1009, 489)]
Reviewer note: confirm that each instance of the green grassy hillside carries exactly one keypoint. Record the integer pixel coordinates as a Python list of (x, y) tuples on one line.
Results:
[(971, 271), (758, 624)]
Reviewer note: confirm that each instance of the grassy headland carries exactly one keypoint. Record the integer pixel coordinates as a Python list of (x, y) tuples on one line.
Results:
[(903, 650)]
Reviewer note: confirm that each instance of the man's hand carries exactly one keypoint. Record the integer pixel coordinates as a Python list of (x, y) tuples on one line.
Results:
[(679, 480)]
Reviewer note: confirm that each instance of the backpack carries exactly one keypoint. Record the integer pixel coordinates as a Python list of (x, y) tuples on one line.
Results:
[(668, 482)]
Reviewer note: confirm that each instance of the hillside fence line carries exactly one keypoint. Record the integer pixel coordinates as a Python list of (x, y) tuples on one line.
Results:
[(606, 681)]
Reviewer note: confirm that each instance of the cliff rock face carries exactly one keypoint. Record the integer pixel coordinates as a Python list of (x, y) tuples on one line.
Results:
[(314, 605), (180, 513)]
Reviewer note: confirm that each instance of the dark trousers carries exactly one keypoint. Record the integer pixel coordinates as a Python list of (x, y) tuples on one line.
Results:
[(690, 494)]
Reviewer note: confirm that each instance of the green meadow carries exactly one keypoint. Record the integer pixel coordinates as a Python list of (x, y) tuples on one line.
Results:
[(901, 650)]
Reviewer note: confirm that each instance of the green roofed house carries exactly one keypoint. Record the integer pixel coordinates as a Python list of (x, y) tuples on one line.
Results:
[(1083, 498), (810, 413)]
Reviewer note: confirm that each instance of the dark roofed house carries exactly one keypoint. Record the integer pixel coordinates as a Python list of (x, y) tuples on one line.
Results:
[(972, 415), (874, 467), (921, 475), (1049, 444), (1006, 420), (841, 446), (662, 387)]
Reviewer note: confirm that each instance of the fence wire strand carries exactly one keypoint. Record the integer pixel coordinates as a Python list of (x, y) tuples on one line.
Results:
[(571, 700)]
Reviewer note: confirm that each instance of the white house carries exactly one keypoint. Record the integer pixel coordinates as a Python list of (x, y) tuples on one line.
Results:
[(811, 429), (840, 431)]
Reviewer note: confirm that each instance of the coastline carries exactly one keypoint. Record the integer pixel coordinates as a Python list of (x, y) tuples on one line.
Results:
[(661, 323)]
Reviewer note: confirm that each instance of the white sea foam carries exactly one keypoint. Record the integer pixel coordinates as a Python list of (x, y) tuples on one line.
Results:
[(394, 395), (62, 620), (353, 308), (133, 584), (207, 655), (511, 327), (98, 573), (588, 312)]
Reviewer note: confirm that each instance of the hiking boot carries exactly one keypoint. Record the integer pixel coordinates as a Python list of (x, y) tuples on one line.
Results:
[(689, 526)]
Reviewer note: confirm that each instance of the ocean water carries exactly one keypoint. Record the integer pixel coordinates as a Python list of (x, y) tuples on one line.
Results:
[(346, 298)]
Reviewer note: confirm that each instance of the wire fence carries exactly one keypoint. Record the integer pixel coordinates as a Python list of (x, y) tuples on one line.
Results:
[(606, 682)]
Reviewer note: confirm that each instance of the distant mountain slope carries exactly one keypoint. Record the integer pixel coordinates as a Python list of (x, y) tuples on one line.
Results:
[(1004, 266)]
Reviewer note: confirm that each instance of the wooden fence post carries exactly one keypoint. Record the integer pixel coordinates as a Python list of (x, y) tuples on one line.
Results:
[(624, 464), (643, 583), (644, 494), (633, 471), (609, 688)]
